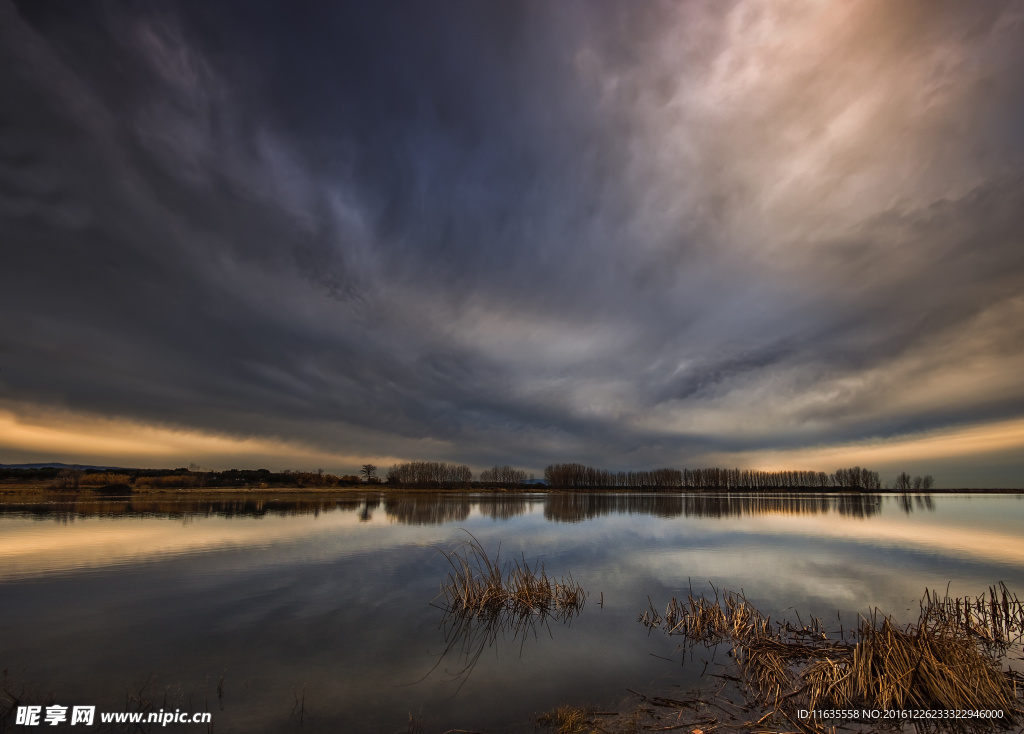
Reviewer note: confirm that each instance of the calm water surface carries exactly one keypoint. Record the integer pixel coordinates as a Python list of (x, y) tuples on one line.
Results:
[(315, 615)]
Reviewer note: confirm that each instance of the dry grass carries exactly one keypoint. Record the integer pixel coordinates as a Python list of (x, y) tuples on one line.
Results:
[(996, 618), (480, 587), (171, 481), (567, 719), (484, 599), (950, 659), (103, 479)]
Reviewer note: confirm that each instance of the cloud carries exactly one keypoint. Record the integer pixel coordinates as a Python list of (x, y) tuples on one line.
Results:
[(528, 234)]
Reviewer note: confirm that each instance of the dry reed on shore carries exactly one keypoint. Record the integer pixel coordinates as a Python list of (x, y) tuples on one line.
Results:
[(950, 659)]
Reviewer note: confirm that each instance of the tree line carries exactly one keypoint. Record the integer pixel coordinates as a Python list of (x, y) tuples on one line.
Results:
[(503, 475), (440, 474), (429, 474)]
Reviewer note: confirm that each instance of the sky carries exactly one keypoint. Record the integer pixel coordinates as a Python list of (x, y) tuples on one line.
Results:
[(765, 234)]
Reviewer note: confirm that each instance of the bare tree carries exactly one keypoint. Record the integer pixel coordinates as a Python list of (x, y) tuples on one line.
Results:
[(369, 471), (583, 477), (903, 482), (503, 475), (429, 474)]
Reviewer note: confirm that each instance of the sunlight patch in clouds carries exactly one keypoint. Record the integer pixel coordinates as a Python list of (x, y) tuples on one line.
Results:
[(68, 437)]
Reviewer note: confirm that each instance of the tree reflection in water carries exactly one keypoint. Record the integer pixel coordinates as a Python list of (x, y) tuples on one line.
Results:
[(427, 509), (580, 506), (438, 508), (503, 506), (467, 636)]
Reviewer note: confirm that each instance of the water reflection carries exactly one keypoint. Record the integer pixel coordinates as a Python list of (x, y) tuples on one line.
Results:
[(438, 508), (579, 507), (428, 509), (466, 637), (504, 507), (182, 507), (909, 503), (485, 600), (371, 503), (333, 591)]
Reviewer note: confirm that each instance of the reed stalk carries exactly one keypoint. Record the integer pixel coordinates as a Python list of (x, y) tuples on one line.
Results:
[(478, 586)]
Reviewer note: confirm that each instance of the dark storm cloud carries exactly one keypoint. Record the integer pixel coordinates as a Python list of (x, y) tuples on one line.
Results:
[(608, 232)]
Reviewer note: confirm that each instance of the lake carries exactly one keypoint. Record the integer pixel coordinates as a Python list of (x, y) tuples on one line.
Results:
[(314, 613)]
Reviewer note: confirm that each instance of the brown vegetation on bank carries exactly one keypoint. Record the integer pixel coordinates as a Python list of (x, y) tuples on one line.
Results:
[(955, 657), (949, 659)]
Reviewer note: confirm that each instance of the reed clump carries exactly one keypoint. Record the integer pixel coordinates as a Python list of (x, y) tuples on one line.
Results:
[(913, 667), (995, 619), (478, 586), (951, 658), (567, 719), (484, 599)]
